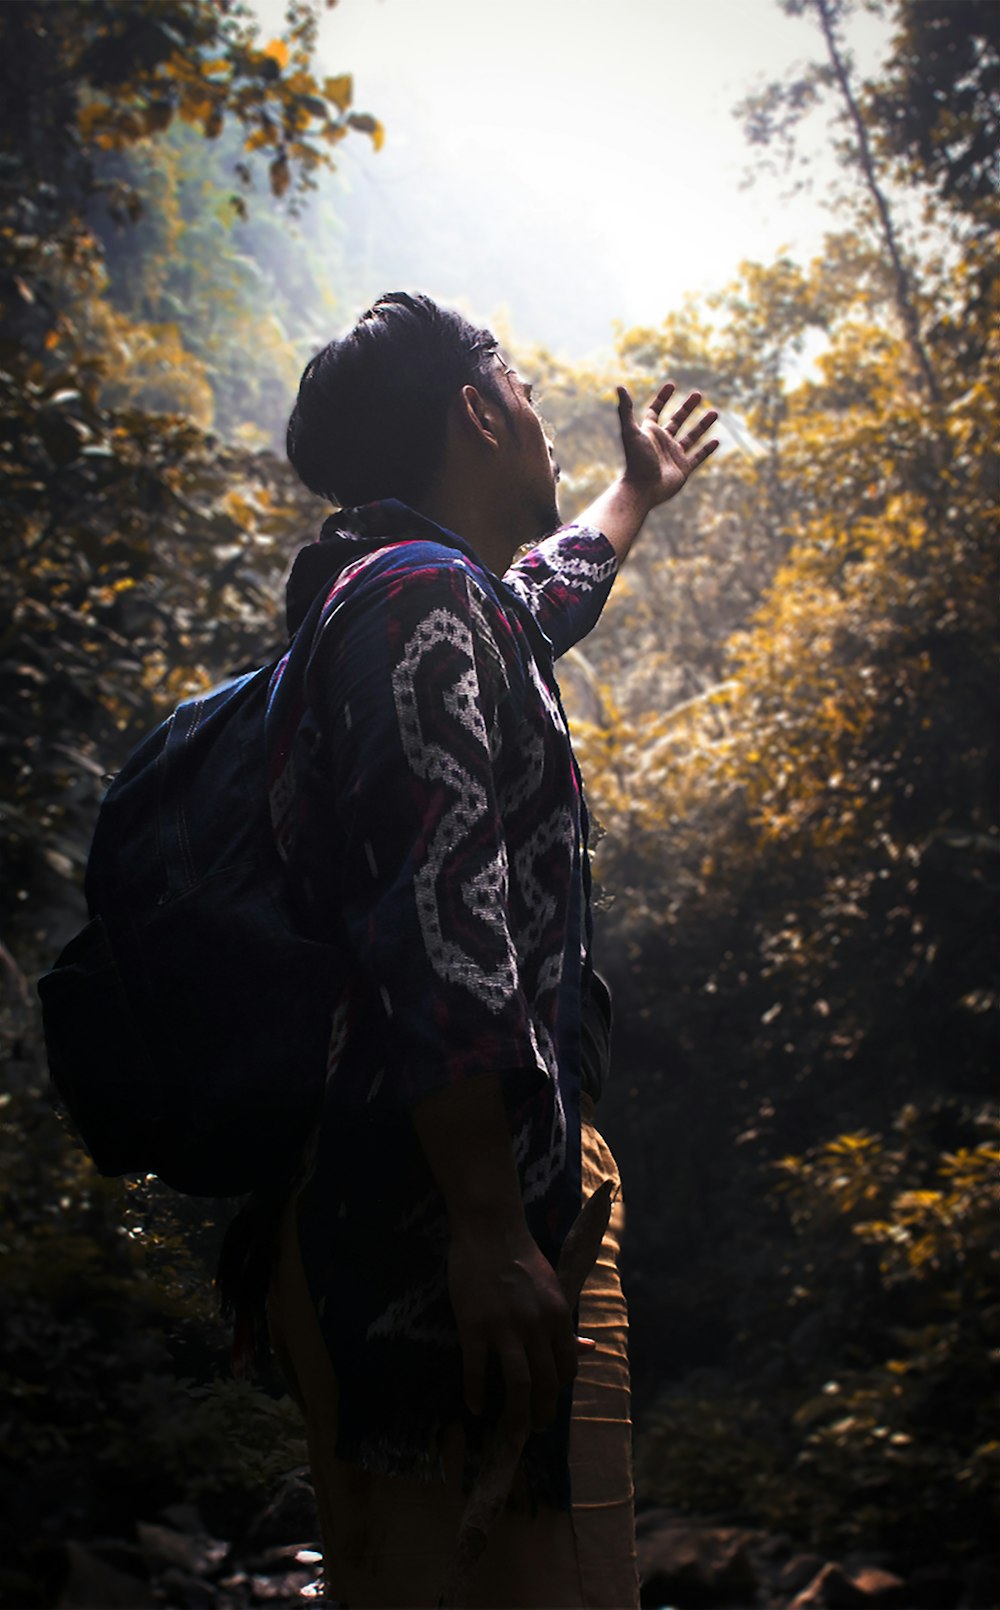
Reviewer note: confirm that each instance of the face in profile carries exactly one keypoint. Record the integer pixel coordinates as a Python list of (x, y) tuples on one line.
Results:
[(536, 467)]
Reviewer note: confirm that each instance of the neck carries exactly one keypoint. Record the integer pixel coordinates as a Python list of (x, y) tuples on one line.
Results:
[(492, 538)]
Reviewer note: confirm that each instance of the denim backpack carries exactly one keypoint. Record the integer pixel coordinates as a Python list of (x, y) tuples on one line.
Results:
[(187, 1025)]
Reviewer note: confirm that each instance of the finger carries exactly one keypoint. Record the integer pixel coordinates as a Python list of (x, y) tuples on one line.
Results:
[(544, 1389), (626, 413), (686, 408), (585, 1344), (473, 1373), (697, 431), (661, 399), (517, 1387), (703, 453)]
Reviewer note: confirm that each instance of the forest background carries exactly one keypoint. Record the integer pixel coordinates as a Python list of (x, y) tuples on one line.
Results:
[(787, 721)]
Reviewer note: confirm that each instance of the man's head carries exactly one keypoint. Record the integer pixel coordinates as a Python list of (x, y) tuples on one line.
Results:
[(370, 418), (413, 393)]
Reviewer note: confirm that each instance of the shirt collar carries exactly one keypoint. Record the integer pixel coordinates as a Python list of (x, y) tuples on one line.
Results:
[(348, 534), (389, 520)]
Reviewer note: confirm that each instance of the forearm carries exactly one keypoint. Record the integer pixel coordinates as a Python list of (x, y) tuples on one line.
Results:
[(619, 512), (464, 1135), (504, 1293)]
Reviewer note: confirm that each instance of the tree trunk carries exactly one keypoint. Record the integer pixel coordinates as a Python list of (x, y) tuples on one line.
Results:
[(904, 294)]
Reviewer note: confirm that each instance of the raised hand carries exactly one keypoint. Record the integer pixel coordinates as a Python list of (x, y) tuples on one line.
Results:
[(658, 458)]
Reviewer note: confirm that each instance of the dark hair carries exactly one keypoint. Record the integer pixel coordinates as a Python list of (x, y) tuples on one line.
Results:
[(370, 418)]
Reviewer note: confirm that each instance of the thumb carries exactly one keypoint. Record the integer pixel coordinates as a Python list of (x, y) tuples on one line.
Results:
[(626, 413)]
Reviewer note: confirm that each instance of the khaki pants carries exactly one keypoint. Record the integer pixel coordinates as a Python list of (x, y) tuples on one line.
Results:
[(388, 1542)]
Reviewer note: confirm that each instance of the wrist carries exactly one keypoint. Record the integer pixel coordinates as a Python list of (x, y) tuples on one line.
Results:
[(620, 511), (490, 1239), (634, 495)]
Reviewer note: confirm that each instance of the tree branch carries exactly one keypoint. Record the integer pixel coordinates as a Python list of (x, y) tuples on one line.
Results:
[(904, 294)]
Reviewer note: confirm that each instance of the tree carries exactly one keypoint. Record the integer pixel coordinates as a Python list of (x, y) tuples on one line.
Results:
[(803, 864), (88, 95), (140, 562), (705, 561), (936, 105), (114, 74), (775, 113), (188, 280), (133, 568)]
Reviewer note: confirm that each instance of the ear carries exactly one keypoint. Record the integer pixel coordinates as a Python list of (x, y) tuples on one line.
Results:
[(480, 416)]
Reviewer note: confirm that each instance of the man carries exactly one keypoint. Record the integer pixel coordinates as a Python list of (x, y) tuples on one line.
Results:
[(430, 811)]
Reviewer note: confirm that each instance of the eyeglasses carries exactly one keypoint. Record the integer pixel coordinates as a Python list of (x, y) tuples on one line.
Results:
[(510, 369)]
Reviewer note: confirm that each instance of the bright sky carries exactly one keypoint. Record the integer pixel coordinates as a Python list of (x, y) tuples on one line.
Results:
[(594, 138)]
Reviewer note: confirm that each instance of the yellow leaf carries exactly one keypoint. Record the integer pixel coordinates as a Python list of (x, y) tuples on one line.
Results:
[(239, 509), (278, 51), (280, 175), (339, 90), (366, 124), (195, 108)]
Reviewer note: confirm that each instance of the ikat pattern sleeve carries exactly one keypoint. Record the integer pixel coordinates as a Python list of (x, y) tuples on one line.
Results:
[(565, 581), (421, 672)]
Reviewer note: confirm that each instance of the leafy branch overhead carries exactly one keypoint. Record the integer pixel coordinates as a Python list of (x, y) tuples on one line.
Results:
[(937, 104), (933, 108), (142, 65)]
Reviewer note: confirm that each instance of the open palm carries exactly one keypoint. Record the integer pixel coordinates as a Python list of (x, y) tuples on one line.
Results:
[(658, 460)]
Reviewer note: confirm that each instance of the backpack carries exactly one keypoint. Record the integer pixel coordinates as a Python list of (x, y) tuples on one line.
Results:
[(187, 1024)]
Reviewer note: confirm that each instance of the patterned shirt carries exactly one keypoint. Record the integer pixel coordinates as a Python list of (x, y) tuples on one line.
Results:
[(428, 804)]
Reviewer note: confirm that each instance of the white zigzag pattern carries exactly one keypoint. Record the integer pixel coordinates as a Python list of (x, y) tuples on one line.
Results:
[(486, 894), (588, 572), (537, 1179), (403, 1316)]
